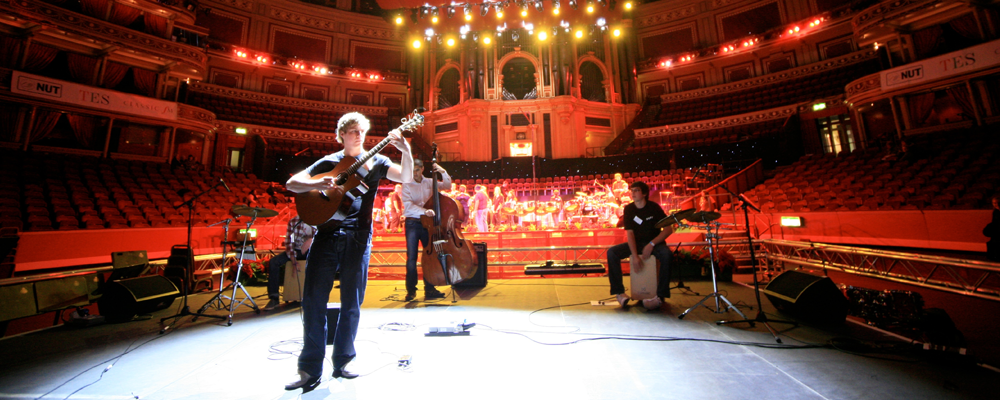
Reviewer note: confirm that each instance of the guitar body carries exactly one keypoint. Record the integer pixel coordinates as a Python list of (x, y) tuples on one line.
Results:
[(317, 207)]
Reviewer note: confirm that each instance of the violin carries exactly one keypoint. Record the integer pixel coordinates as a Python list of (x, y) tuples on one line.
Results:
[(450, 259)]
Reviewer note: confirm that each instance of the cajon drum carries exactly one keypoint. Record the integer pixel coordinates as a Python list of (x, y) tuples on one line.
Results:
[(642, 282), (294, 281)]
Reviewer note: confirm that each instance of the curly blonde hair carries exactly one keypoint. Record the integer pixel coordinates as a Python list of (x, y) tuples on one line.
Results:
[(350, 119)]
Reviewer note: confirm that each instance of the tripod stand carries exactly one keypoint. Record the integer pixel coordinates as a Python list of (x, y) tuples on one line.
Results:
[(188, 274), (761, 317), (715, 285), (236, 285)]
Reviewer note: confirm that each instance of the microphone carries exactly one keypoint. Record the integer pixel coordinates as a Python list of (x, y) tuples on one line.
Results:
[(749, 203), (698, 172), (225, 185)]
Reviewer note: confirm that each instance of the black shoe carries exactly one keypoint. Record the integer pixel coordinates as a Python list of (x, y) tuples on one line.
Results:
[(410, 296), (433, 295), (306, 383), (344, 373)]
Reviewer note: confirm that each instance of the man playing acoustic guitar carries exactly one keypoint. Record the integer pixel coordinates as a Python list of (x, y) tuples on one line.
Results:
[(344, 247)]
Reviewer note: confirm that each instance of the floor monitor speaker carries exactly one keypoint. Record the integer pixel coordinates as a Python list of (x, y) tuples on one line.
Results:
[(807, 297), (479, 279), (126, 298)]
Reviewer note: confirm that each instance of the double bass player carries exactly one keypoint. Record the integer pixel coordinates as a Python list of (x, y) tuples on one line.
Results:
[(415, 196)]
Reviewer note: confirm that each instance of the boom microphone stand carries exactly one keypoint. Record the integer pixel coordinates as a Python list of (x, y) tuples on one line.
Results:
[(761, 316), (188, 274)]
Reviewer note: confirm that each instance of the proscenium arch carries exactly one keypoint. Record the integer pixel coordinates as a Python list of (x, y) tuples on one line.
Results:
[(608, 89), (498, 72)]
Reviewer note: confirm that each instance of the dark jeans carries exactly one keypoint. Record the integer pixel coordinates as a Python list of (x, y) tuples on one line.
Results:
[(346, 251), (619, 252), (274, 272), (415, 233)]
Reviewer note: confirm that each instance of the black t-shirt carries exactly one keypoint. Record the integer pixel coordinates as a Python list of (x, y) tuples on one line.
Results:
[(360, 215), (642, 221)]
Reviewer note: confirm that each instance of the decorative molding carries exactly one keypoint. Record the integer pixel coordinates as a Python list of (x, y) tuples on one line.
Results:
[(370, 32), (723, 3), (285, 101), (718, 123), (186, 112), (868, 83), (279, 133), (880, 14), (853, 58), (239, 4), (84, 26), (666, 16), (300, 19)]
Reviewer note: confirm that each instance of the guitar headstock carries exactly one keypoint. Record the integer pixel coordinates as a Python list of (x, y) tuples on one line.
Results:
[(411, 122)]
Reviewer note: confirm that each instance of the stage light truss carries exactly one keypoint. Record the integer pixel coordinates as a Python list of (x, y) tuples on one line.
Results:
[(974, 278)]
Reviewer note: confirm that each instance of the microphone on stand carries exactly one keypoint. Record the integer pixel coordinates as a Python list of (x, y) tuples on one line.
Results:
[(749, 203), (225, 185)]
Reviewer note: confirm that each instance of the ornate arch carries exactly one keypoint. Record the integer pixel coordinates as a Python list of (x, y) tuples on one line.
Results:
[(519, 54), (436, 84), (608, 89)]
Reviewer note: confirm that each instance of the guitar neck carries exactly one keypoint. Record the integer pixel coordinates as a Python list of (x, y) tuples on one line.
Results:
[(368, 155)]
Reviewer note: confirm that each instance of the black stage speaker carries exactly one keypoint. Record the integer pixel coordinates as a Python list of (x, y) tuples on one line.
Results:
[(124, 299), (807, 297), (479, 279), (179, 265)]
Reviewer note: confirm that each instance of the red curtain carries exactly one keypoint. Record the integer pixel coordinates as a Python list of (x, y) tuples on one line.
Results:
[(123, 15), (82, 67), (926, 40), (113, 74), (145, 80), (966, 26), (83, 127), (39, 57), (961, 95), (94, 8), (920, 107), (45, 120), (8, 123), (12, 46), (156, 25)]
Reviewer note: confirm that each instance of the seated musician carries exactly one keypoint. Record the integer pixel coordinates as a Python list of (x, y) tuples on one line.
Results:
[(619, 187), (644, 240)]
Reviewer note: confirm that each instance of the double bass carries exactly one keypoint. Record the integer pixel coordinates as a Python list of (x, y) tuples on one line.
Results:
[(450, 259)]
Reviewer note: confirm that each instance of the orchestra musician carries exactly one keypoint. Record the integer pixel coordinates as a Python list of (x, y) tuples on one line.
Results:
[(415, 196), (394, 208), (619, 187)]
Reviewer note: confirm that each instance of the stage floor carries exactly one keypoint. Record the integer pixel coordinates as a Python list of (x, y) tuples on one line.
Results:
[(534, 339)]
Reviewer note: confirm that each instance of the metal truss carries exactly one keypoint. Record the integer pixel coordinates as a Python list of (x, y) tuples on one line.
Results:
[(974, 278)]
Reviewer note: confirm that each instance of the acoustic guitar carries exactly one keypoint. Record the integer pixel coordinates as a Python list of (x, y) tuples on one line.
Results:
[(318, 207)]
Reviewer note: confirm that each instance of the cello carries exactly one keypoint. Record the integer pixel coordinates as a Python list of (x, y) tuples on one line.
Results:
[(450, 259)]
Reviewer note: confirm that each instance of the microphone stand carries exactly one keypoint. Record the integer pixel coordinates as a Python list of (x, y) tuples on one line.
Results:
[(761, 316), (188, 273), (216, 301)]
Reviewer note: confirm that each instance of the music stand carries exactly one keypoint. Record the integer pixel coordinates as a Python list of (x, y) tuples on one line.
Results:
[(715, 285), (188, 274), (761, 316)]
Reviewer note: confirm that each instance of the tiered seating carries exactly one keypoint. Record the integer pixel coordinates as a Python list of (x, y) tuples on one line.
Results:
[(706, 138), (277, 115), (319, 149), (956, 175), (61, 192), (802, 89)]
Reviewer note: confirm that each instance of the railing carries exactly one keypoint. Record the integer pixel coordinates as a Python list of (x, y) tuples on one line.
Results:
[(625, 138), (974, 278)]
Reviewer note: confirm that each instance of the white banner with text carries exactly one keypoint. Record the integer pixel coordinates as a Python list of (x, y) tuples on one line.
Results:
[(957, 62), (89, 96)]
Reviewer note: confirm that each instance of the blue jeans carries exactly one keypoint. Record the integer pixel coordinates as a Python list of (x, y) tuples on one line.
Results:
[(346, 251), (274, 272), (621, 251), (415, 234)]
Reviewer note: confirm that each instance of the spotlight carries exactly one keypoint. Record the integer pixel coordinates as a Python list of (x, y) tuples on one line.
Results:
[(538, 6), (485, 9), (451, 42), (499, 9), (628, 5), (450, 12), (416, 43), (579, 33), (542, 35), (468, 17), (617, 32), (486, 39), (572, 3), (434, 19)]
